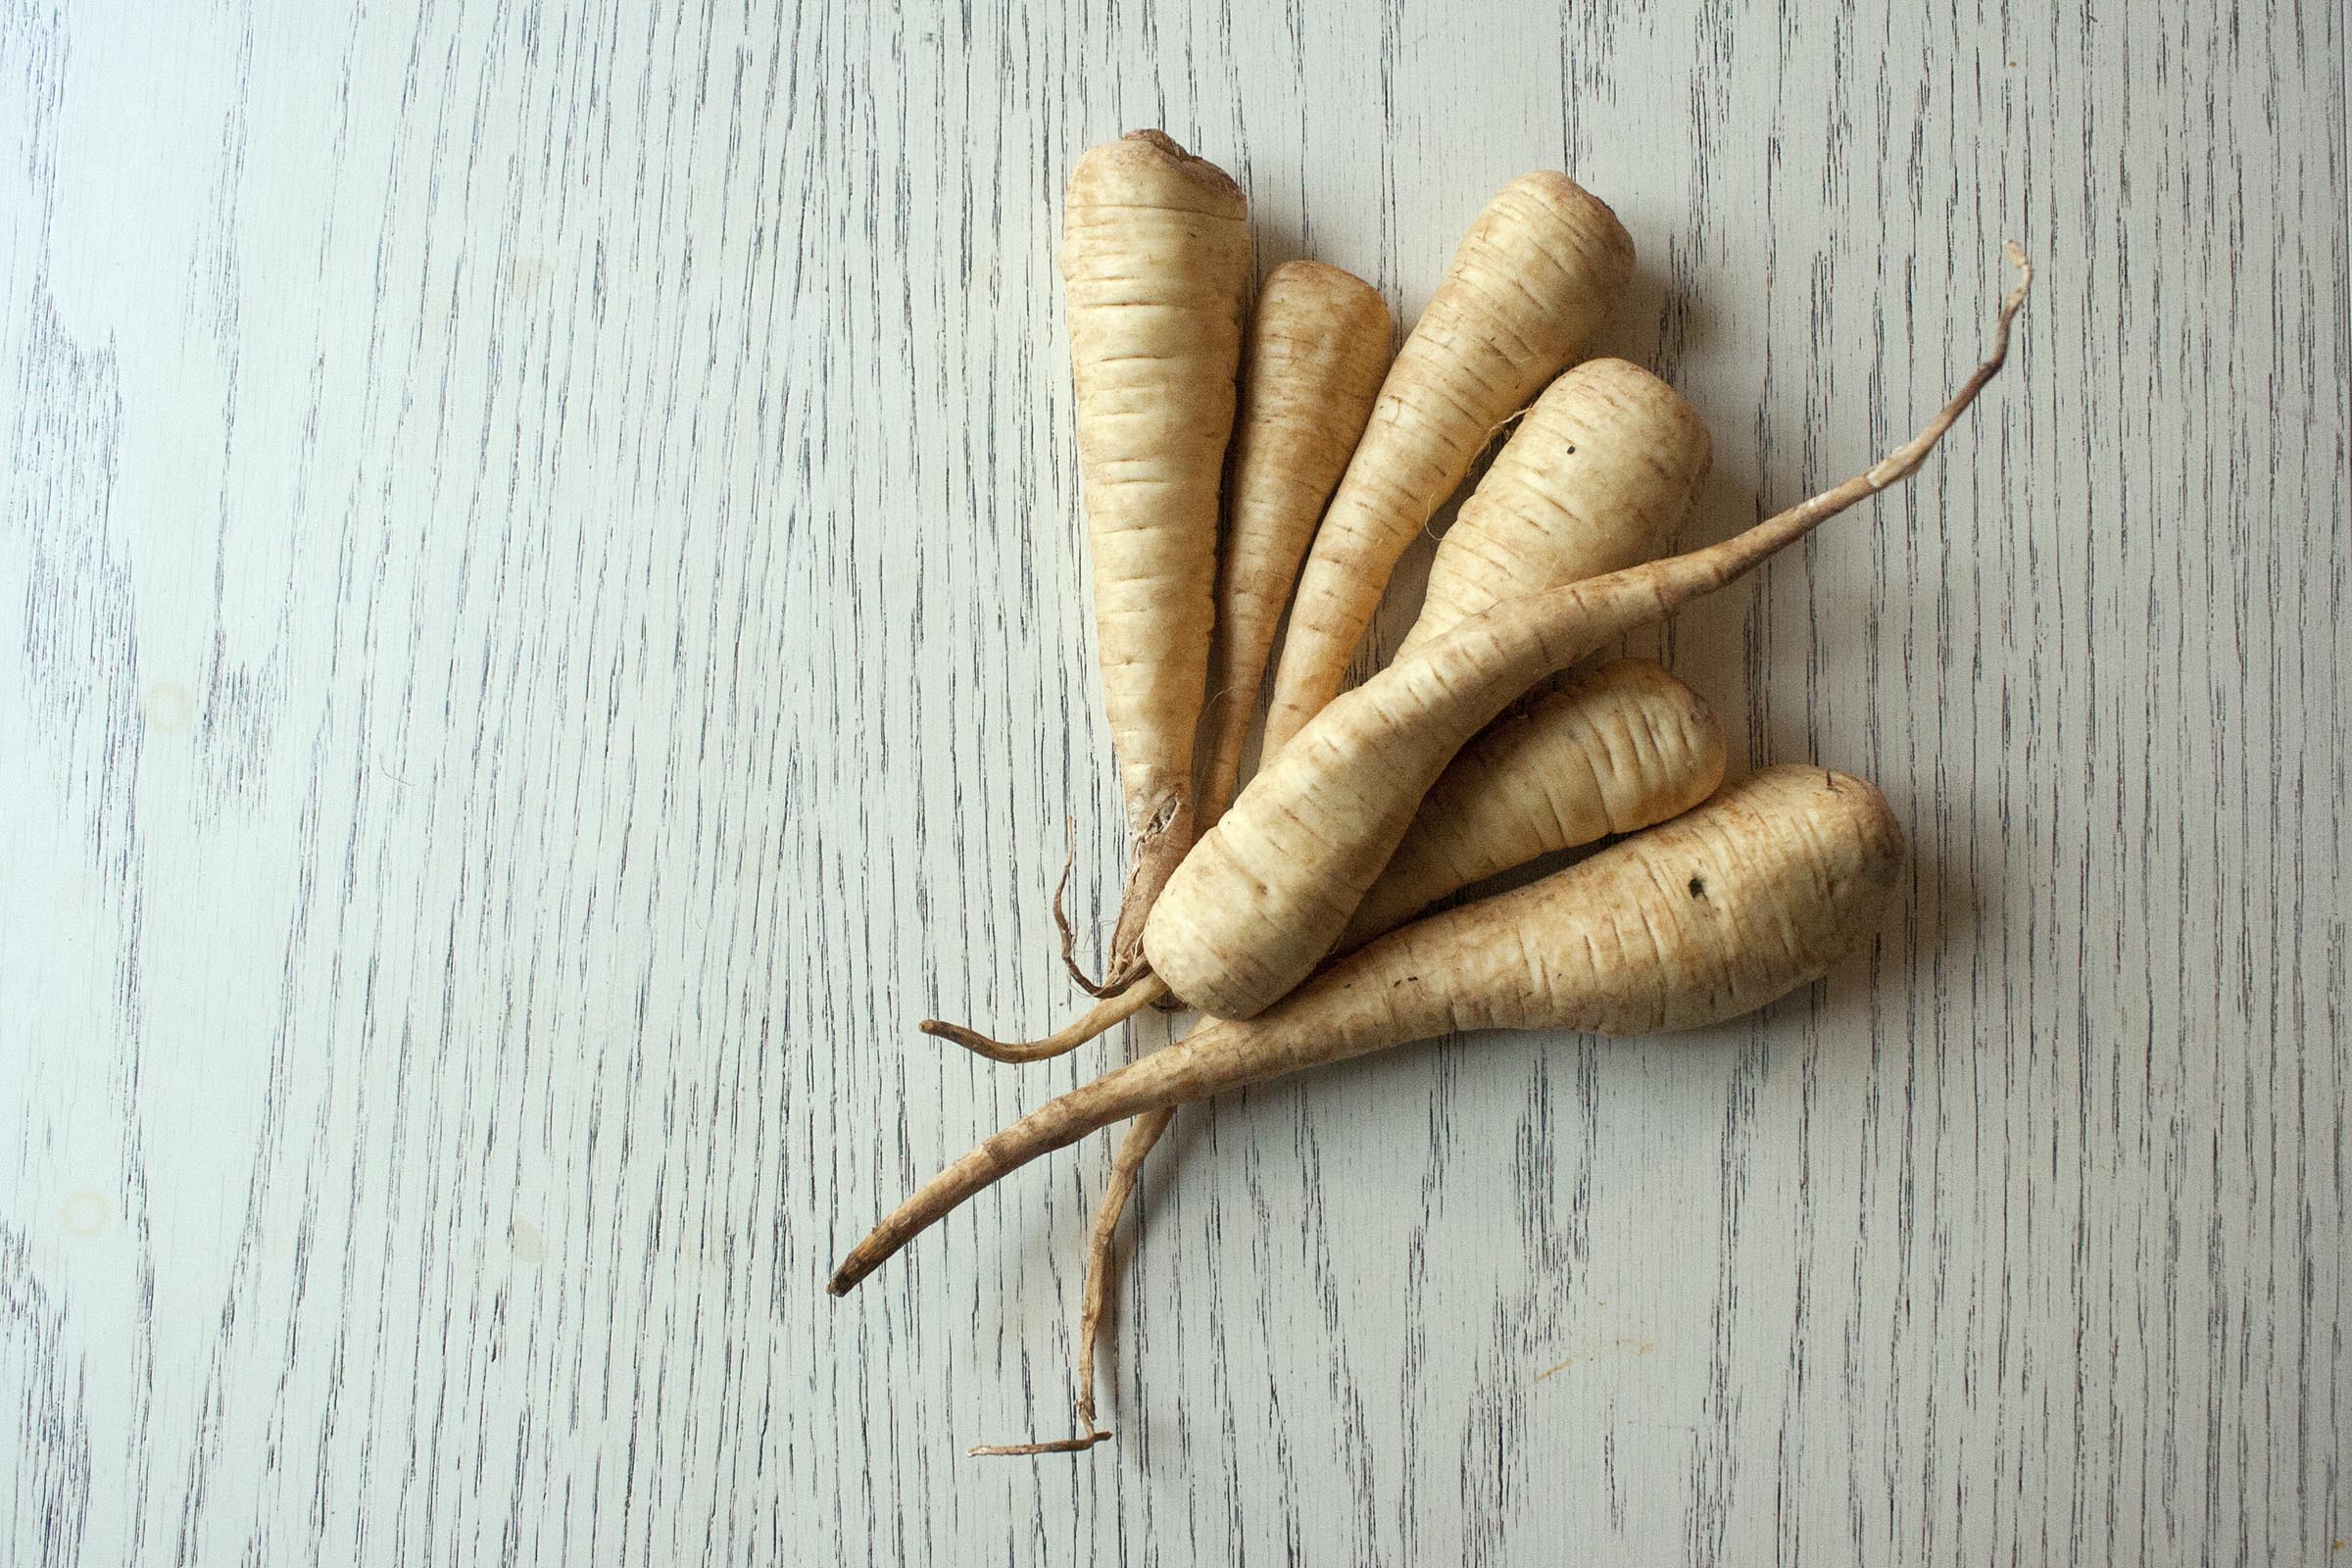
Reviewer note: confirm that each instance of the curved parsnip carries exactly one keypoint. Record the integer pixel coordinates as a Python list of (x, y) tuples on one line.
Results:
[(1318, 345), (1529, 284), (1715, 914), (1155, 260), (1612, 751), (1264, 894), (1598, 477)]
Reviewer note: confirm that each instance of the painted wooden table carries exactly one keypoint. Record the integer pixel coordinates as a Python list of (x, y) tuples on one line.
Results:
[(548, 627)]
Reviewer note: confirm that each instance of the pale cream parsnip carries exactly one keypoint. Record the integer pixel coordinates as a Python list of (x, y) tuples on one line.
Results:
[(1533, 276), (1711, 915), (1156, 261)]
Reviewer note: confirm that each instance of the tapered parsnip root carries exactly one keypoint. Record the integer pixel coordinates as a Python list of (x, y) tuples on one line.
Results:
[(1318, 345), (1612, 751), (1714, 915), (1269, 889), (1155, 261), (1533, 277), (1598, 477)]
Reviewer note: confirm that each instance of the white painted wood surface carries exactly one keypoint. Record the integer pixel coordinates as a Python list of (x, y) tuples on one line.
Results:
[(548, 630)]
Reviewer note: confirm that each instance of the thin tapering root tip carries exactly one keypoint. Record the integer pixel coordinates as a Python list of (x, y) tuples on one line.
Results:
[(1056, 1124), (1062, 921), (970, 1040), (1093, 1302), (1098, 1019), (1904, 461), (2016, 256), (852, 1270), (980, 1045)]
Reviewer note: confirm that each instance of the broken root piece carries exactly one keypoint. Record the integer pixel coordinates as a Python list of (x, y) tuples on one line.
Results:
[(1061, 920), (1016, 1450)]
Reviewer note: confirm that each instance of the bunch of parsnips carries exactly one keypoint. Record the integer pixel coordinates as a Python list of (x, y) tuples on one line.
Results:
[(1286, 914)]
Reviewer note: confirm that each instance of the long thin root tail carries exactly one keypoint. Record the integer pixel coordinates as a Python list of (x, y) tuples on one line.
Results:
[(1094, 1300), (1098, 1019), (1681, 578), (1166, 1077), (1904, 461)]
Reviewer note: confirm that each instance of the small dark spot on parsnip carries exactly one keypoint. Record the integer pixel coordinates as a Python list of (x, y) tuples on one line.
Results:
[(1572, 449), (1698, 887)]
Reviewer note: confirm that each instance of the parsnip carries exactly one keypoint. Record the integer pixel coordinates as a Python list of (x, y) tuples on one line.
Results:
[(1155, 260), (1612, 751), (1714, 915), (1318, 344), (1529, 282)]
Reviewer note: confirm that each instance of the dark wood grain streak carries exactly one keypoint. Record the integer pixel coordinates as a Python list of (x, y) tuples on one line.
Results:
[(551, 627)]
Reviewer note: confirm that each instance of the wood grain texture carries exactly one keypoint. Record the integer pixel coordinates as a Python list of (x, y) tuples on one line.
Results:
[(550, 630)]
